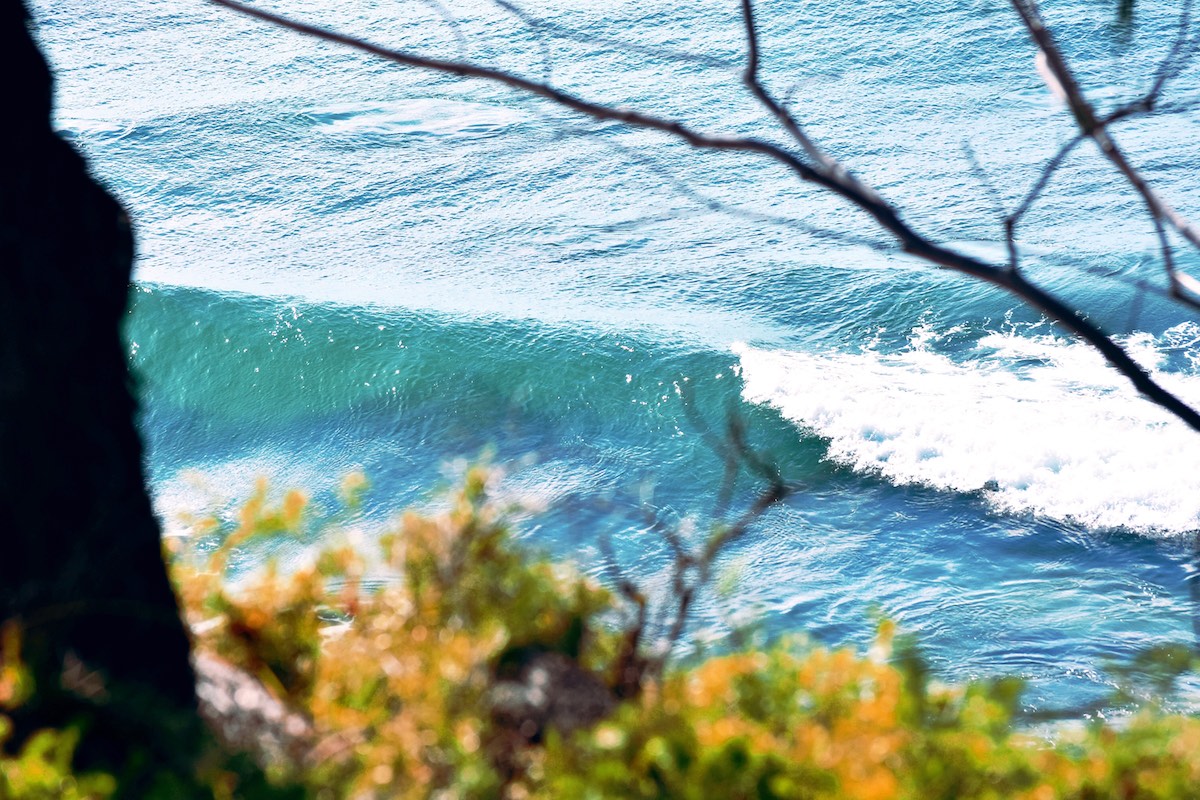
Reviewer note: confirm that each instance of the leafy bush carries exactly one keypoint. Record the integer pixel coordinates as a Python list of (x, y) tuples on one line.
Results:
[(400, 688), (42, 766)]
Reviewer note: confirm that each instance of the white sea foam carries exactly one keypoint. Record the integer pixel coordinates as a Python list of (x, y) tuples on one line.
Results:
[(1037, 424)]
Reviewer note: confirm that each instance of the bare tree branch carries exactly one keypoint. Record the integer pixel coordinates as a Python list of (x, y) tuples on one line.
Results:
[(1183, 287), (726, 536), (751, 78), (838, 183), (693, 571), (1182, 51), (1011, 221), (1043, 180)]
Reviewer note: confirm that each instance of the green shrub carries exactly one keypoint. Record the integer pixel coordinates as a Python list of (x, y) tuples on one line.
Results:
[(398, 685)]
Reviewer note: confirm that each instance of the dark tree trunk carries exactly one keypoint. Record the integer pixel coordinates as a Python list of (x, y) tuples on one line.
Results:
[(81, 568)]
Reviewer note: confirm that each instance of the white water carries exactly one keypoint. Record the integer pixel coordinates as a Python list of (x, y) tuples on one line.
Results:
[(1037, 424)]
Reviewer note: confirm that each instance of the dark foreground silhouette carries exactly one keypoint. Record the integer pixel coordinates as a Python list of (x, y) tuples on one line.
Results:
[(81, 569)]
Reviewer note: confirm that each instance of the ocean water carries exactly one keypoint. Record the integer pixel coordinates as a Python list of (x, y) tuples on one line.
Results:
[(344, 264)]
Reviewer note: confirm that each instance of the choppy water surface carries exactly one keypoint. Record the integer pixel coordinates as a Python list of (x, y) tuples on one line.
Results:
[(345, 264)]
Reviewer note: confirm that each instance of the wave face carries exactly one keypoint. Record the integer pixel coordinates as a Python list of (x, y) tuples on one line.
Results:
[(236, 385), (345, 264)]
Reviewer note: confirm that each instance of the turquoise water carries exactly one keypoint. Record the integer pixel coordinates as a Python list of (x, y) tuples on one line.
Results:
[(345, 265)]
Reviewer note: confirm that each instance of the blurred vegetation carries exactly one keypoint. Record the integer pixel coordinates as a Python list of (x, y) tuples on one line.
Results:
[(407, 691)]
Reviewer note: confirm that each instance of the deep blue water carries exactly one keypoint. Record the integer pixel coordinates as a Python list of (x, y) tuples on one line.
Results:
[(348, 265)]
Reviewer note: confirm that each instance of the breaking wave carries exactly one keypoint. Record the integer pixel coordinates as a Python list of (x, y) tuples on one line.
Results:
[(1036, 424)]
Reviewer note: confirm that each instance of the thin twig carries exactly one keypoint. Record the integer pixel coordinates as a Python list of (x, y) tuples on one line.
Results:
[(1013, 219), (728, 535), (538, 27), (993, 194), (1043, 180), (686, 190), (750, 77), (454, 25), (1183, 287), (985, 181), (1181, 52), (570, 34)]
